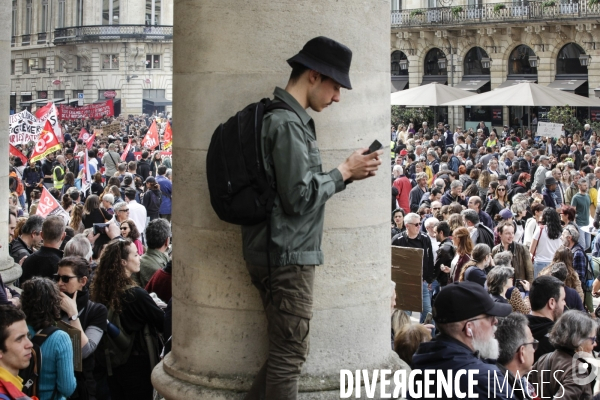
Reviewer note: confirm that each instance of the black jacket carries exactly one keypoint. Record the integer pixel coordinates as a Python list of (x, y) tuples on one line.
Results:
[(402, 241), (73, 166), (445, 254), (143, 169), (43, 262), (540, 327), (18, 249)]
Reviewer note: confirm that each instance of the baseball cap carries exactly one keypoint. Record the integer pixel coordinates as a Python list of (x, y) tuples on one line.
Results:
[(403, 152), (459, 301), (150, 179), (506, 213), (502, 178)]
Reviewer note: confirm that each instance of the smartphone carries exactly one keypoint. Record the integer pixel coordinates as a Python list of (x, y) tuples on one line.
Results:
[(428, 318), (100, 228), (376, 145)]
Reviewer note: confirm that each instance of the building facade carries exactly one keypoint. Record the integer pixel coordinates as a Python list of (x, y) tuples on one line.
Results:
[(479, 46), (63, 50)]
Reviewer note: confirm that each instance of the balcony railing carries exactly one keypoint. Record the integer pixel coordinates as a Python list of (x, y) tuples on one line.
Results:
[(25, 40), (41, 38), (113, 32), (495, 12)]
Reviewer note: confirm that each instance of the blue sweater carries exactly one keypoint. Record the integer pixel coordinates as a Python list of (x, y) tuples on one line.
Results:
[(57, 366)]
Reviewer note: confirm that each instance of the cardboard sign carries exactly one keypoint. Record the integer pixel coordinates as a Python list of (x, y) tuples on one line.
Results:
[(24, 128), (549, 129), (407, 272), (111, 129)]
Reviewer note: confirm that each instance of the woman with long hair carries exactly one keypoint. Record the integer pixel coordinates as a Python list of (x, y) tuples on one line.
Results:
[(565, 179), (532, 223), (474, 270), (455, 221), (36, 195), (130, 231), (593, 193), (92, 213), (67, 203), (498, 202), (97, 187), (565, 255), (546, 240), (114, 288), (483, 184), (68, 183), (152, 198), (519, 210), (464, 247), (40, 301), (76, 221)]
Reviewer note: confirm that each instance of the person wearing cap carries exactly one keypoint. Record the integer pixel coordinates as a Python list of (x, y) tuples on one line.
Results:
[(466, 317), (521, 260), (549, 192), (283, 271)]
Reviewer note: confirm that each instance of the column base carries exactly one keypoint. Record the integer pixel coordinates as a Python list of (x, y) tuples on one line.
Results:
[(218, 388), (10, 270)]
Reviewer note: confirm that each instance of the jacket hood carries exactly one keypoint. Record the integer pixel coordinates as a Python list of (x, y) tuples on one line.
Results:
[(539, 324)]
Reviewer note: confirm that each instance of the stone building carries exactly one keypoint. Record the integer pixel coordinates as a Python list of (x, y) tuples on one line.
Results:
[(63, 49), (480, 46)]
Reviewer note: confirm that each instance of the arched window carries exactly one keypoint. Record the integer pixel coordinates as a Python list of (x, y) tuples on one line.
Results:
[(473, 62), (568, 62), (432, 66), (518, 62), (398, 68)]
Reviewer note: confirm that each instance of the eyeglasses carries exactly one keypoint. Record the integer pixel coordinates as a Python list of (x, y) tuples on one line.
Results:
[(436, 208), (593, 339), (63, 278), (417, 224), (126, 210), (124, 228), (484, 317)]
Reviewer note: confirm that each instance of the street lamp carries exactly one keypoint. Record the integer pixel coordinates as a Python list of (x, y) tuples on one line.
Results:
[(485, 62), (584, 59), (442, 63), (403, 64), (533, 61)]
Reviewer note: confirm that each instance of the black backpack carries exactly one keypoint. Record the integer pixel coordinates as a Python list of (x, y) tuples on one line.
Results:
[(485, 235), (240, 191), (31, 374)]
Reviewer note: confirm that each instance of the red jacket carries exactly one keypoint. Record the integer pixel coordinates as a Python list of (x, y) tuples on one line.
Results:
[(160, 283), (404, 187), (9, 390)]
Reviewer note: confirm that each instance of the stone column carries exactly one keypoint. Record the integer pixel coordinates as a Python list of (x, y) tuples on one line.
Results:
[(8, 270), (228, 54)]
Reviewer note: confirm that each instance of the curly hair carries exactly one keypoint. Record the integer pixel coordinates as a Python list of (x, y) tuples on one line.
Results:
[(551, 220), (110, 280), (40, 301), (76, 217), (484, 179), (134, 234)]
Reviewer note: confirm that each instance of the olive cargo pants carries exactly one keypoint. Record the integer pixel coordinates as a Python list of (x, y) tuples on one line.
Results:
[(288, 317)]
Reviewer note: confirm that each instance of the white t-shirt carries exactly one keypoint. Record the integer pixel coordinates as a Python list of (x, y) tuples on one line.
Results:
[(546, 247)]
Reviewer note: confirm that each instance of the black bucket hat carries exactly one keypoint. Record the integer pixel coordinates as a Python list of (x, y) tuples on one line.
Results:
[(327, 57)]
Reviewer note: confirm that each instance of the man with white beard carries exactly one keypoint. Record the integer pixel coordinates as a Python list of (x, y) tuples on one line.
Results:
[(465, 315)]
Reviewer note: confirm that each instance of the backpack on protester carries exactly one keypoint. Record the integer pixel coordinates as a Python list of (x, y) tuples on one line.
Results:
[(485, 235), (114, 351), (240, 191), (31, 374)]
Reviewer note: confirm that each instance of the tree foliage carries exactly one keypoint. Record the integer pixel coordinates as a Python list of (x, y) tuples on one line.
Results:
[(566, 116), (404, 115)]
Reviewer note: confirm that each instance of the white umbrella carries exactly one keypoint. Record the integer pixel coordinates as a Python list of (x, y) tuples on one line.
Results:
[(526, 94), (433, 94)]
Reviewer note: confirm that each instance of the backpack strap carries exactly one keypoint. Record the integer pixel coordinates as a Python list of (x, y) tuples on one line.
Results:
[(44, 334)]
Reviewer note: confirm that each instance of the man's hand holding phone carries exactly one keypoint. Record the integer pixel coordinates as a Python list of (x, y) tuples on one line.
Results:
[(362, 164)]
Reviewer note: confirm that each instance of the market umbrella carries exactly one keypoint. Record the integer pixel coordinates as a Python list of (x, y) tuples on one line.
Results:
[(432, 94), (526, 94)]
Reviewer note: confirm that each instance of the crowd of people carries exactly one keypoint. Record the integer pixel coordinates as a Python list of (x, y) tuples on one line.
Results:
[(507, 224), (104, 271)]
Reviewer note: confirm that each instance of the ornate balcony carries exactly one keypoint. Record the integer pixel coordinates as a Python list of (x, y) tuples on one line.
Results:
[(96, 33), (509, 12)]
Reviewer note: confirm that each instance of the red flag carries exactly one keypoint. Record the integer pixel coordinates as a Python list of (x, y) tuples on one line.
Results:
[(15, 152), (168, 136), (151, 139), (46, 144), (42, 111), (49, 113), (86, 176), (89, 139), (48, 205), (124, 155)]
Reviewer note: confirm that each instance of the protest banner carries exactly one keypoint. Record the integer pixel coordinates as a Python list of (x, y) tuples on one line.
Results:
[(86, 175), (151, 139), (12, 150), (46, 144), (24, 128), (92, 111), (407, 272), (168, 136), (126, 151), (49, 206), (111, 129), (549, 129), (89, 139), (48, 112), (138, 154)]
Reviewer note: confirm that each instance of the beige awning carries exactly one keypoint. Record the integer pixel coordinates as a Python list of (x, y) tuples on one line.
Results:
[(433, 94)]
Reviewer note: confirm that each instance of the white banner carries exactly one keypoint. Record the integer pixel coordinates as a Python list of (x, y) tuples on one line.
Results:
[(52, 116), (549, 129), (24, 127)]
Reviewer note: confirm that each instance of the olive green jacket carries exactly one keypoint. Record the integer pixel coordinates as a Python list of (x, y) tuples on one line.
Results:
[(291, 157)]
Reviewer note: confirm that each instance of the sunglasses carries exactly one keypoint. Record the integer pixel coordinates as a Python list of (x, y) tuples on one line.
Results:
[(63, 278), (417, 224), (123, 228), (501, 189), (126, 210)]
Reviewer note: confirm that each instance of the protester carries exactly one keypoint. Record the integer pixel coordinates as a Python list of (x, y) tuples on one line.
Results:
[(408, 339), (93, 214), (44, 262), (546, 240), (521, 260), (30, 237), (474, 270)]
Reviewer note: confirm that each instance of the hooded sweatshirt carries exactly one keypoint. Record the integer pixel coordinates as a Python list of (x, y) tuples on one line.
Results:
[(540, 328)]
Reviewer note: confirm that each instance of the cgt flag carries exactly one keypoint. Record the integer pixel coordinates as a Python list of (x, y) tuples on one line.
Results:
[(46, 144), (49, 113), (12, 150), (151, 139), (168, 136)]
